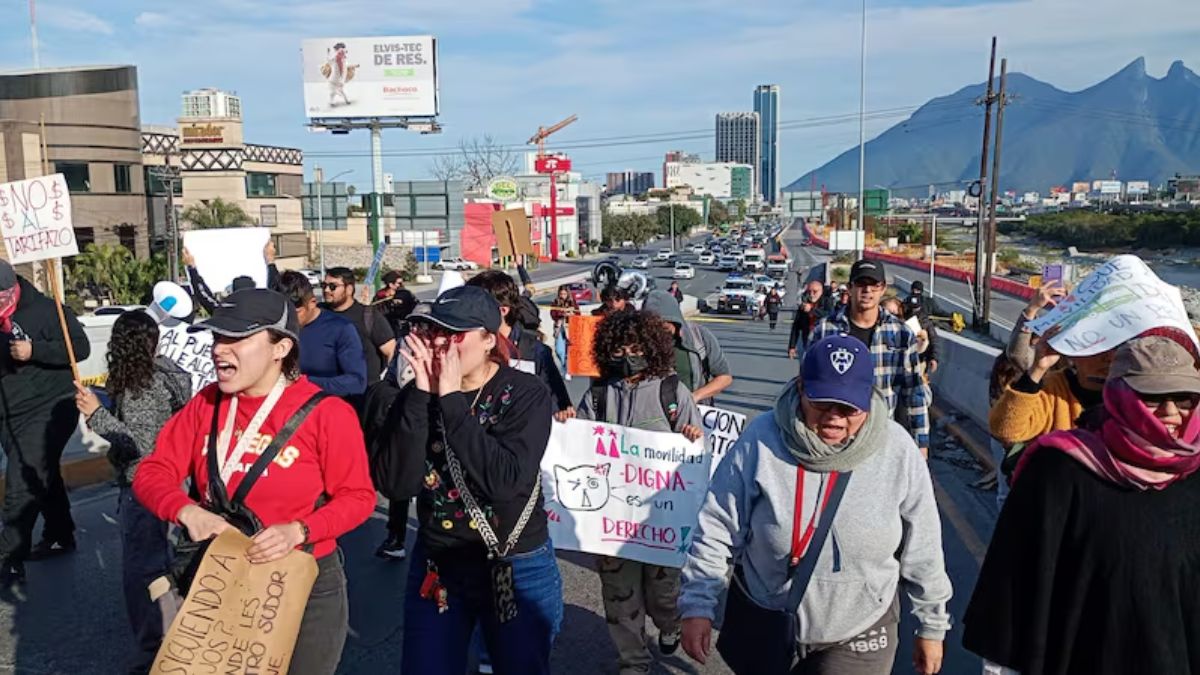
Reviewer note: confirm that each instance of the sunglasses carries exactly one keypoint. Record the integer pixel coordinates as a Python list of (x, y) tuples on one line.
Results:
[(1182, 400), (331, 287)]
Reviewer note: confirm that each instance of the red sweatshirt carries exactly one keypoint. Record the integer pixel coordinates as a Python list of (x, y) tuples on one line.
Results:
[(325, 456)]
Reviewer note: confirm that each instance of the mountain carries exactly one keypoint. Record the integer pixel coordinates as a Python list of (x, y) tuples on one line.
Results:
[(1132, 125)]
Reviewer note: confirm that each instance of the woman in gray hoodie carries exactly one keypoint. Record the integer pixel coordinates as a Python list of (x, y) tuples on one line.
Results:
[(146, 390), (829, 495)]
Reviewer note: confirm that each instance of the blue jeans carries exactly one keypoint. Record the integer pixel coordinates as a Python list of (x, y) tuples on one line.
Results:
[(145, 555), (436, 643)]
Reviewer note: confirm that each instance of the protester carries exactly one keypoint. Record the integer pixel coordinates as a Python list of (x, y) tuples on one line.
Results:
[(378, 337), (395, 301), (206, 298), (699, 360), (637, 359), (318, 487), (37, 418), (1004, 373), (1092, 564), (815, 305), (772, 304), (562, 309), (146, 390), (483, 427), (612, 299), (829, 601), (676, 292), (331, 352), (893, 347)]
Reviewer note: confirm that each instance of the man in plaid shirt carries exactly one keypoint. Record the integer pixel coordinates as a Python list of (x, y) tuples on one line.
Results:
[(893, 346)]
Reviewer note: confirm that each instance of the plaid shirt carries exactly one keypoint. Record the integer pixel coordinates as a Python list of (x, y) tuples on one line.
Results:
[(894, 349)]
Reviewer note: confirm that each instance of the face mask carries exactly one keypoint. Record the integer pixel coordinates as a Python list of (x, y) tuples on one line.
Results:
[(627, 366)]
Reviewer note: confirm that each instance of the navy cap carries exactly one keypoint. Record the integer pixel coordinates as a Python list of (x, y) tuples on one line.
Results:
[(839, 369), (461, 309), (251, 311)]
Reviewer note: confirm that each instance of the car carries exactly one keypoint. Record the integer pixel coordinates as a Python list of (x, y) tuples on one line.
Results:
[(765, 283), (628, 243), (314, 277), (727, 263), (458, 264), (684, 271), (706, 258), (778, 266), (663, 255), (698, 249), (641, 262), (739, 295), (581, 292)]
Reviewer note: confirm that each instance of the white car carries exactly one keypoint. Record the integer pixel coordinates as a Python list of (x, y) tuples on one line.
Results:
[(698, 249), (455, 264), (706, 258), (684, 271), (663, 254), (641, 262), (765, 283), (628, 243), (727, 263)]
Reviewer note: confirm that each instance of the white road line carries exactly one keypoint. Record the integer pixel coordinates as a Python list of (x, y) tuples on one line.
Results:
[(962, 304)]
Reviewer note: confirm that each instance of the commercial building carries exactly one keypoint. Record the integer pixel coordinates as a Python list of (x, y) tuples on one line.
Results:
[(766, 104), (680, 157), (720, 180), (629, 182), (92, 137), (739, 139)]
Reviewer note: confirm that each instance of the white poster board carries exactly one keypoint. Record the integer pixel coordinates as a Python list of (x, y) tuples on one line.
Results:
[(721, 430), (226, 253), (190, 351), (1119, 300), (623, 492), (35, 219)]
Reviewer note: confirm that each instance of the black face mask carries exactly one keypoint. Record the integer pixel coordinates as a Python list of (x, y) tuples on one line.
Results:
[(627, 366)]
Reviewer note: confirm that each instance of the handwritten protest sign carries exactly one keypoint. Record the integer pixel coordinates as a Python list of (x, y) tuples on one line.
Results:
[(721, 430), (35, 219), (238, 617), (1120, 299), (623, 492), (580, 360), (226, 253), (190, 351)]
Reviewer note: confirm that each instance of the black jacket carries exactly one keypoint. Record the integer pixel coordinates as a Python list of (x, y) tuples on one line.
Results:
[(532, 349), (46, 377)]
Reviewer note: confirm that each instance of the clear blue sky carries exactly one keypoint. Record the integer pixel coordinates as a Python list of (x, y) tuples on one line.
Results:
[(626, 68)]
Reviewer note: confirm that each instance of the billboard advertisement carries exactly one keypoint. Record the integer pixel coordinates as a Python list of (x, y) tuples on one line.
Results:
[(370, 77), (1137, 187), (1109, 187)]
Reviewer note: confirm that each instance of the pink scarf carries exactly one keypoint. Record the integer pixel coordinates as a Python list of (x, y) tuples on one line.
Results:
[(8, 305), (1131, 447)]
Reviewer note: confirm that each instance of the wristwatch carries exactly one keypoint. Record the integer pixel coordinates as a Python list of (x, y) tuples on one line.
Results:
[(304, 530)]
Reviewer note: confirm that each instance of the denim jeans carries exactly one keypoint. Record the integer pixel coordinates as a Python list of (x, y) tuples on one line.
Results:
[(998, 454), (326, 620), (438, 642), (145, 555)]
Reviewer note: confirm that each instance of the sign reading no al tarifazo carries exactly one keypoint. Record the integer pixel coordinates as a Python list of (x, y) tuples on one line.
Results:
[(35, 219)]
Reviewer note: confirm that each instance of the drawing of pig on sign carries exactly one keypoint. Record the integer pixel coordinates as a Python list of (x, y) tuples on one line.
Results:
[(623, 492)]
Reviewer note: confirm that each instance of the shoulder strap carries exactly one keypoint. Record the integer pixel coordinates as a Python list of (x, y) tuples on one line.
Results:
[(668, 395), (277, 443), (216, 487), (803, 572), (600, 400)]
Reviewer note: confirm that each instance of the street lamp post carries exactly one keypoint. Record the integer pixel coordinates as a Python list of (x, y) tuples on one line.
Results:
[(319, 175)]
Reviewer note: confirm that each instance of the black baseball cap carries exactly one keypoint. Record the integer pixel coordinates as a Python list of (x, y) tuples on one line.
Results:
[(461, 309), (251, 311), (868, 269), (242, 283)]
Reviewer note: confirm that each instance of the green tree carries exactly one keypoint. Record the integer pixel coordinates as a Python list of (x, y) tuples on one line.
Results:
[(112, 272), (635, 228), (685, 219), (740, 205), (215, 213), (718, 213)]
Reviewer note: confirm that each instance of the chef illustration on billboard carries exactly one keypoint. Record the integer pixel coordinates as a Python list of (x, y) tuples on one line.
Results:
[(337, 72)]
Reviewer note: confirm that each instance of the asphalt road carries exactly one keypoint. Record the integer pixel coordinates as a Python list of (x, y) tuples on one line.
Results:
[(70, 618)]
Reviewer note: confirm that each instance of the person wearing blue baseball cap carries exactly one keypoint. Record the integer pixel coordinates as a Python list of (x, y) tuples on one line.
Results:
[(827, 506)]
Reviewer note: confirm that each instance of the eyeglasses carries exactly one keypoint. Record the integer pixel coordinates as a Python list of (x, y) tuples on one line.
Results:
[(1183, 400), (332, 286), (839, 409), (433, 332)]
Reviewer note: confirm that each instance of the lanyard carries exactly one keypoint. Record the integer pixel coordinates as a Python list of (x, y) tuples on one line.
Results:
[(234, 458), (800, 541)]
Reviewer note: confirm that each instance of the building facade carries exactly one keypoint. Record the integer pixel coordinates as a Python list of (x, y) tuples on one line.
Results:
[(766, 104), (739, 140), (720, 180), (680, 157), (629, 182)]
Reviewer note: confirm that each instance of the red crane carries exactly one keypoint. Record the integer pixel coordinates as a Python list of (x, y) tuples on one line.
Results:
[(552, 166)]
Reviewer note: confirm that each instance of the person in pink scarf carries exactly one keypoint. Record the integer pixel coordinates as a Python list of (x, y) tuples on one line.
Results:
[(1094, 565)]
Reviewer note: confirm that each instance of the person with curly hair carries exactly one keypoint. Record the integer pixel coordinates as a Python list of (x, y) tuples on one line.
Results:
[(638, 388), (146, 390)]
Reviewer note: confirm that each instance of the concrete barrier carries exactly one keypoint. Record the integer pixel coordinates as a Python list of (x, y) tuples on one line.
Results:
[(962, 377)]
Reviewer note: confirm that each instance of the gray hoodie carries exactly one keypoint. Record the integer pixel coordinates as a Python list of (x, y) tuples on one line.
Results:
[(888, 507), (639, 406), (707, 359)]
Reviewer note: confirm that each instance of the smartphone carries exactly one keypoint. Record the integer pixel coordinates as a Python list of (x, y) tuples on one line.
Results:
[(1052, 273)]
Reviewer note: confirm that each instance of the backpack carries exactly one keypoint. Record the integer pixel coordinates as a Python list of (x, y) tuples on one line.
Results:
[(668, 396), (701, 350)]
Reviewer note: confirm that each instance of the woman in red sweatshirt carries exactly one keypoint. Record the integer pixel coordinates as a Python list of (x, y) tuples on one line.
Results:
[(317, 488)]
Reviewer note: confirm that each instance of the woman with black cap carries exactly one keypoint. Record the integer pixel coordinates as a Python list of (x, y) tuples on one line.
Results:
[(318, 486), (467, 435)]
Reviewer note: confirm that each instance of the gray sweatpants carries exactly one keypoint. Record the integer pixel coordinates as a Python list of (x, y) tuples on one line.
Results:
[(631, 590), (871, 653)]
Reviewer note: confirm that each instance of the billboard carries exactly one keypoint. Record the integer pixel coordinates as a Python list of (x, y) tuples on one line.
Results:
[(1137, 187), (1109, 187), (370, 77)]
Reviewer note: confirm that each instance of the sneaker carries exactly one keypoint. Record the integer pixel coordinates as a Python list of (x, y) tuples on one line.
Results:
[(50, 548), (668, 643), (12, 572), (392, 548)]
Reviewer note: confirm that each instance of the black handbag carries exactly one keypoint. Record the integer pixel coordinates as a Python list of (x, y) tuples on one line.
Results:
[(188, 553), (761, 641)]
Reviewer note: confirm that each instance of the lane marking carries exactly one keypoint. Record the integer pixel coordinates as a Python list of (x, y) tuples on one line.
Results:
[(966, 533)]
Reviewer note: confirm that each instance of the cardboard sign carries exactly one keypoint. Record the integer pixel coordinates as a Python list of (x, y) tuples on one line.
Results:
[(224, 254), (1119, 300), (721, 430), (622, 492), (511, 228), (582, 330), (35, 219), (190, 351), (238, 617)]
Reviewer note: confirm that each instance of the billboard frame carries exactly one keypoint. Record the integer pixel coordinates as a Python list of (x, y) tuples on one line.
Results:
[(435, 82)]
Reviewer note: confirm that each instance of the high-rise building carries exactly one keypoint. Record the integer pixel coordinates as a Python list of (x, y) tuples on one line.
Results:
[(630, 182), (739, 140), (211, 103), (679, 157), (766, 104)]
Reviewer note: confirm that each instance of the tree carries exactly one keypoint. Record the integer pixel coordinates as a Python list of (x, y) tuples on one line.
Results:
[(741, 209), (479, 159), (686, 218), (111, 271), (620, 228), (214, 213), (718, 213)]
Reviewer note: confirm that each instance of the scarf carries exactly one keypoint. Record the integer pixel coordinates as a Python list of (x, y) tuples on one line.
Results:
[(815, 454), (1129, 446), (8, 305)]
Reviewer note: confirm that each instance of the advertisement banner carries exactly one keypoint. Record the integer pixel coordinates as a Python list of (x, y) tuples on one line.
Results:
[(35, 219), (721, 430), (370, 77), (622, 492)]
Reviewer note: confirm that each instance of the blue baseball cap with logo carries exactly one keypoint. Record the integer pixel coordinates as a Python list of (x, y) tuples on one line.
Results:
[(839, 369)]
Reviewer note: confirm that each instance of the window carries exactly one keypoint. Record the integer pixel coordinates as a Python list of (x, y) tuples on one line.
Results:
[(156, 182), (79, 179), (260, 185), (127, 235), (123, 178), (268, 216)]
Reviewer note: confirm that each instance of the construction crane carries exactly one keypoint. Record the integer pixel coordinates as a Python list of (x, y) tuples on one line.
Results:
[(539, 139)]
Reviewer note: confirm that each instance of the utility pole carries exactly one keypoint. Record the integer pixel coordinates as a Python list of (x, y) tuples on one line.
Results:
[(862, 117), (979, 320), (1002, 101), (166, 175), (319, 176), (672, 226)]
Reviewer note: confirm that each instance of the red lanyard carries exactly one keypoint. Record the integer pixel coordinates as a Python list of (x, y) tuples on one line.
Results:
[(800, 542)]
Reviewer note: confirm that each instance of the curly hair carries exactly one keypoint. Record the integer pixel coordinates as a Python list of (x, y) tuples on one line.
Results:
[(131, 352), (644, 329)]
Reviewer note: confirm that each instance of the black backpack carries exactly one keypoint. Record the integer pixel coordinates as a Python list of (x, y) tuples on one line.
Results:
[(668, 396)]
